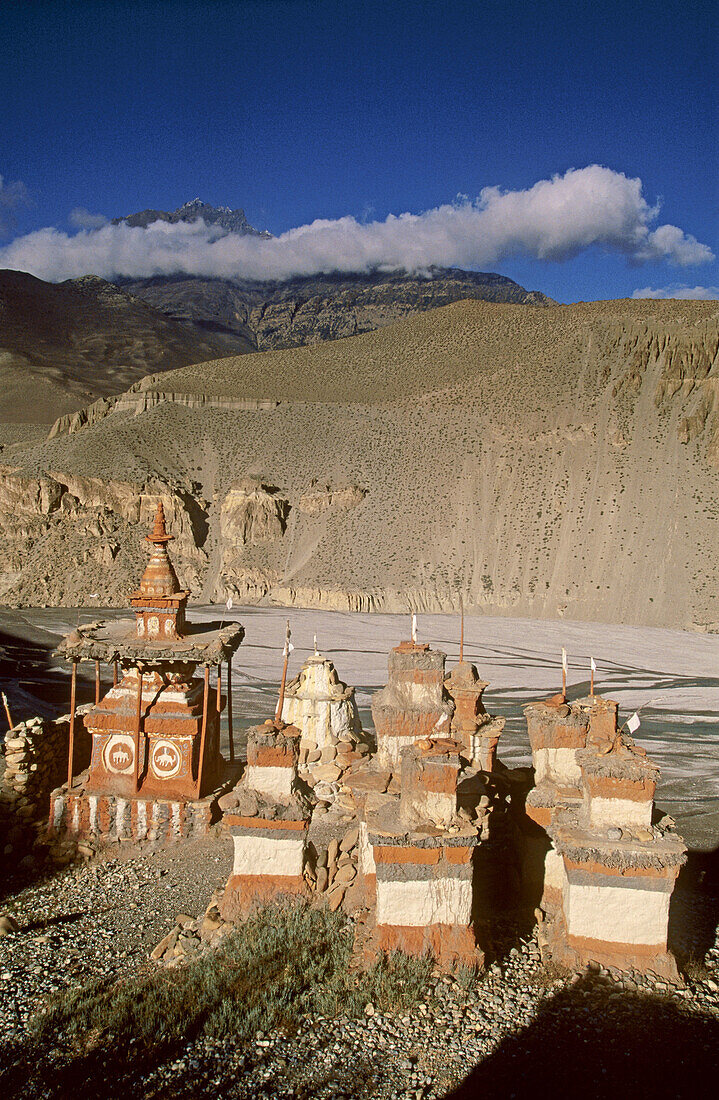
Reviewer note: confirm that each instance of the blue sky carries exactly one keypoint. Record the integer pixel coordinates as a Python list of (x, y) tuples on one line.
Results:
[(303, 110)]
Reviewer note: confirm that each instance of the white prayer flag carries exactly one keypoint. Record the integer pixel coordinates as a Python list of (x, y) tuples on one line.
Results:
[(633, 723), (414, 627), (564, 659), (228, 605), (315, 640), (592, 664), (288, 649)]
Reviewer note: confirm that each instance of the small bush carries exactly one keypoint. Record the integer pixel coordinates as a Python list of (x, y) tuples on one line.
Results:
[(283, 962)]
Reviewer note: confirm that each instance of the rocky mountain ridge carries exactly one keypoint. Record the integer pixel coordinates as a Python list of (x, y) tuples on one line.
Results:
[(535, 462), (64, 345), (232, 221), (311, 309)]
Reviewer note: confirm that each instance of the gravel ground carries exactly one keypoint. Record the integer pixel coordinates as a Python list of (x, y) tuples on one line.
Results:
[(517, 1025)]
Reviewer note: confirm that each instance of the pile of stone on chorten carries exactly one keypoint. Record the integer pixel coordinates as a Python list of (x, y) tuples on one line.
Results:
[(602, 872), (403, 837)]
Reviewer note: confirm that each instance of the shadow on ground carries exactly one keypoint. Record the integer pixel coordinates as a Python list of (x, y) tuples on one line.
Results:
[(593, 1041)]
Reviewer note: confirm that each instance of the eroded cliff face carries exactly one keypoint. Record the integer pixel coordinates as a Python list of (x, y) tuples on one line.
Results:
[(534, 463), (64, 537)]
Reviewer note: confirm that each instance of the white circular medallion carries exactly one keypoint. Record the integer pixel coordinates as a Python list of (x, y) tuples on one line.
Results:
[(118, 756), (166, 759)]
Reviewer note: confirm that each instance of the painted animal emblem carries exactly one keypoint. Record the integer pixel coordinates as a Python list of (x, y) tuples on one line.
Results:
[(120, 757), (166, 758)]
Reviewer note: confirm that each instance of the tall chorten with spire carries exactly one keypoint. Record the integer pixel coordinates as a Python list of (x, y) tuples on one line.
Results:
[(159, 602), (156, 732)]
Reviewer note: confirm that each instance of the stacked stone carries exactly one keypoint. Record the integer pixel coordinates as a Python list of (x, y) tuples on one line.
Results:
[(423, 854), (558, 730), (191, 935), (478, 731), (331, 741), (414, 702), (35, 760), (267, 816), (332, 871), (619, 869)]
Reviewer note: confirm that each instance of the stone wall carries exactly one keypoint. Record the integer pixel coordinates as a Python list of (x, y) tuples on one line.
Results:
[(36, 756)]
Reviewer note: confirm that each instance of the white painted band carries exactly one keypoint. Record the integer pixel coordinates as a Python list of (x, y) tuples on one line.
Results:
[(422, 902), (559, 765), (606, 812), (616, 914), (260, 855), (275, 782)]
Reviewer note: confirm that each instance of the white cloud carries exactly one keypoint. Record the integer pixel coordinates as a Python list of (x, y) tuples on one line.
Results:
[(552, 220), (13, 194), (704, 293), (83, 219)]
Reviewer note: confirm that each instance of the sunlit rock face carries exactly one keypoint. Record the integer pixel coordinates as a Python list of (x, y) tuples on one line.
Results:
[(252, 512)]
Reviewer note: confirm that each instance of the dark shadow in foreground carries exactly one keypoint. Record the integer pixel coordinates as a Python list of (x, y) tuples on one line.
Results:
[(593, 1040)]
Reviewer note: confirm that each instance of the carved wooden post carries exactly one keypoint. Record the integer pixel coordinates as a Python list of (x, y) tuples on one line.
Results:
[(72, 726), (229, 709), (138, 720), (219, 688), (203, 734)]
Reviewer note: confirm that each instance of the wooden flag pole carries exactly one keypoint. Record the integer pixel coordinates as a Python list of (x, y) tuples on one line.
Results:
[(71, 754), (564, 673), (219, 687), (229, 709), (114, 673), (281, 700), (7, 711), (591, 679), (203, 735), (97, 682), (138, 720)]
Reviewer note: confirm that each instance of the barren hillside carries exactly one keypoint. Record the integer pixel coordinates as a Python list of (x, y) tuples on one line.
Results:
[(63, 345), (538, 461)]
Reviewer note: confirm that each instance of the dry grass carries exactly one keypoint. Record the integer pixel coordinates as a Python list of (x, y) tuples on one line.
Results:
[(284, 962)]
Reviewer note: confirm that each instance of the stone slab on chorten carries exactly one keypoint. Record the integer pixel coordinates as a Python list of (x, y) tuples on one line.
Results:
[(109, 640)]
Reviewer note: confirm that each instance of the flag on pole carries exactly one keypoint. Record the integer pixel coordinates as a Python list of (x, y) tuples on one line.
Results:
[(633, 723), (414, 627), (592, 664), (228, 605), (564, 659), (288, 649)]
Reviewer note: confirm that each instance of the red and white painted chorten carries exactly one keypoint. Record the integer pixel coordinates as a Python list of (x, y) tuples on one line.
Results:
[(156, 732)]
